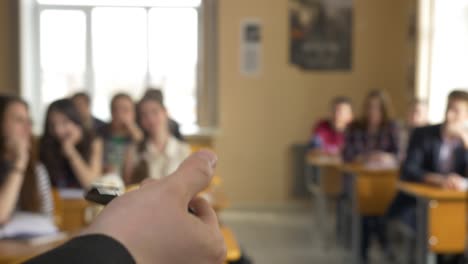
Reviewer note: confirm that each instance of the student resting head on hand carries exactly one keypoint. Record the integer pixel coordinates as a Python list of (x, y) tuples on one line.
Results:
[(70, 152), (24, 183), (160, 153)]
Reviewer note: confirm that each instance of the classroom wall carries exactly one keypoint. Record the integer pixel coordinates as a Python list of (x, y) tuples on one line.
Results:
[(9, 77), (261, 117)]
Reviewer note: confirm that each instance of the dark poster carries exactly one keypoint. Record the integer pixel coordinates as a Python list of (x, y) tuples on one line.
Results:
[(321, 34)]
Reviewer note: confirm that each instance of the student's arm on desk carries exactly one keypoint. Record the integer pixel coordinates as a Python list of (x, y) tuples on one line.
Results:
[(86, 173), (413, 168), (9, 192)]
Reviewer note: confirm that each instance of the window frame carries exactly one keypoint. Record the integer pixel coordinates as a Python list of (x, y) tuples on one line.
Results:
[(31, 73)]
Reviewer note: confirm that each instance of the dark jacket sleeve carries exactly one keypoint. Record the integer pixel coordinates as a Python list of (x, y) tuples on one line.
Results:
[(351, 148), (174, 128), (413, 166), (87, 249)]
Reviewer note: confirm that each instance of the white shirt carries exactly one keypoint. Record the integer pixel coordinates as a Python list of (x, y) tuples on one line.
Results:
[(161, 164), (447, 155)]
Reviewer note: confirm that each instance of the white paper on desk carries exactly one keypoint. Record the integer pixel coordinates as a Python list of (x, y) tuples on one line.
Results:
[(380, 166), (71, 193), (24, 224), (464, 185)]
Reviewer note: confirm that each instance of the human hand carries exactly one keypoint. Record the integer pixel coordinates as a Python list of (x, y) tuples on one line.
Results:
[(454, 182), (21, 149), (69, 143), (154, 223)]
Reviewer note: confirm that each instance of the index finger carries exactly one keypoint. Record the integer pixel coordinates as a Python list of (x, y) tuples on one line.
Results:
[(193, 175)]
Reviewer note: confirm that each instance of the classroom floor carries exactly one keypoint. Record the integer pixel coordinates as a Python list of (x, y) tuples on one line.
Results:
[(280, 235)]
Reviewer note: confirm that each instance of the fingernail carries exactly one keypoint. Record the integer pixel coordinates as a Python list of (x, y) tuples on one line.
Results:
[(209, 156)]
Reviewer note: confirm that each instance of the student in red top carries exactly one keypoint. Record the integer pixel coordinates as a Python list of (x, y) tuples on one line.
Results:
[(328, 135)]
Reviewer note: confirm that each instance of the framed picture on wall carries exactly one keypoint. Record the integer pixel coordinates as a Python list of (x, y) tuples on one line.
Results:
[(321, 34)]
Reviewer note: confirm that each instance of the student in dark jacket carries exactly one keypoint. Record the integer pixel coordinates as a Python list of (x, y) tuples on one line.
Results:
[(437, 155)]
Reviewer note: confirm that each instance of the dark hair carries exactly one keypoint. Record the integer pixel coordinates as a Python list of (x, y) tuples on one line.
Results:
[(341, 100), (141, 170), (119, 96), (154, 94), (82, 95), (29, 199), (385, 108), (458, 95), (51, 154)]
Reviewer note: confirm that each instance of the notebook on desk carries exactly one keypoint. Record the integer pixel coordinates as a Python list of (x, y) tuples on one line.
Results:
[(31, 228)]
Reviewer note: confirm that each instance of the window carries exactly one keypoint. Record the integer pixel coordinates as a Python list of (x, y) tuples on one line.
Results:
[(443, 56), (109, 46)]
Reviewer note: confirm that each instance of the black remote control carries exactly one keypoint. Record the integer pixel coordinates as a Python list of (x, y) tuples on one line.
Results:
[(102, 194)]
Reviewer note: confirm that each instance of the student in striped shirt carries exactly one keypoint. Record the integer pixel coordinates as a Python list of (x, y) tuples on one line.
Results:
[(24, 183)]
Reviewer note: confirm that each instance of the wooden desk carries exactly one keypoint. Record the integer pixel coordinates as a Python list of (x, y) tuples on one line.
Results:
[(441, 220), (12, 252), (324, 173), (73, 214), (233, 250), (323, 179), (371, 193)]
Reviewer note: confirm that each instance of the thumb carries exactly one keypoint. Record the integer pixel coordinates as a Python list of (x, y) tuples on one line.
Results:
[(193, 175)]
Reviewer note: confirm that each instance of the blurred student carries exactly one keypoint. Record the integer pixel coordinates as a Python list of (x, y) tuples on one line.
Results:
[(70, 152), (160, 153), (174, 127), (82, 102), (120, 132), (24, 183), (373, 139), (328, 134), (438, 155), (417, 117)]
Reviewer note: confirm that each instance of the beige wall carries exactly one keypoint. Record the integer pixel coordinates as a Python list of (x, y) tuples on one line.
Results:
[(9, 78), (261, 117)]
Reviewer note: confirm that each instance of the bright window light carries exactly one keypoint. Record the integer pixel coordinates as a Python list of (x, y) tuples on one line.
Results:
[(62, 53), (150, 3), (119, 54), (449, 54), (173, 54)]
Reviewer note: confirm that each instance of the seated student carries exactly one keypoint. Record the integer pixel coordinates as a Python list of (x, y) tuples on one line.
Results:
[(120, 132), (328, 134), (160, 153), (71, 153), (373, 139), (416, 117), (436, 155), (82, 102), (174, 127), (24, 183)]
